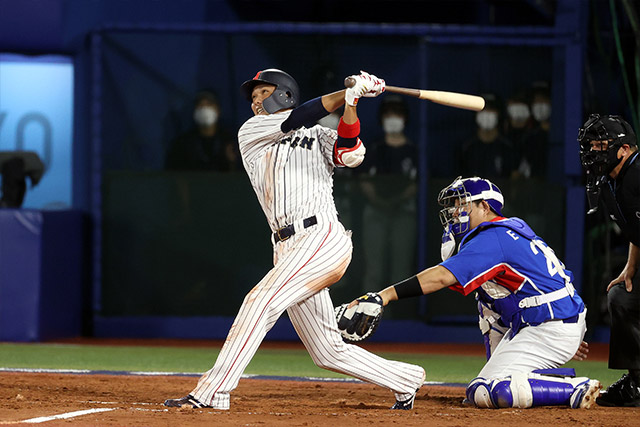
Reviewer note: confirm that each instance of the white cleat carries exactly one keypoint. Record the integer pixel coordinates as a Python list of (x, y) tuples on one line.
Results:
[(585, 394)]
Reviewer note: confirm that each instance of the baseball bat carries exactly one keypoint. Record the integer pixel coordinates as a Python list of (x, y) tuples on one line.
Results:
[(452, 99)]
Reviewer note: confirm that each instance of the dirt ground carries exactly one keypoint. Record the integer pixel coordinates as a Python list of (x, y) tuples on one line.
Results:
[(137, 401)]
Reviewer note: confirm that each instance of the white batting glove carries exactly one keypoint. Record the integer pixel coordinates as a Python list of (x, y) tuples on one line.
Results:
[(353, 94), (366, 85), (374, 85)]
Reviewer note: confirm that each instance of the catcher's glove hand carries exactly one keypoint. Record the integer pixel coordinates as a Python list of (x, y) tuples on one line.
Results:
[(360, 321)]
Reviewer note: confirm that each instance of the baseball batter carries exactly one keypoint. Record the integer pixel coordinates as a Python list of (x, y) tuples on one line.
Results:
[(527, 295), (290, 163)]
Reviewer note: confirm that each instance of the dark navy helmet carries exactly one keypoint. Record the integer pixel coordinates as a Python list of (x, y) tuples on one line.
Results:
[(286, 95), (465, 191), (610, 132)]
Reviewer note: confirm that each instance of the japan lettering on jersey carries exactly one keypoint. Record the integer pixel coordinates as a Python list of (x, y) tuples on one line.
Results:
[(292, 173), (520, 267)]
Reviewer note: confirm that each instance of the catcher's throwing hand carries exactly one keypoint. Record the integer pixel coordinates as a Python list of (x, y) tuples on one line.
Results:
[(581, 353), (359, 319)]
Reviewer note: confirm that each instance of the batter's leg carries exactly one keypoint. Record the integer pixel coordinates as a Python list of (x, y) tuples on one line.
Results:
[(319, 260), (315, 322)]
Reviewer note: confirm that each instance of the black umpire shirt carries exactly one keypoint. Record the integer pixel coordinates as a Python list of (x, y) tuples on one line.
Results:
[(622, 198)]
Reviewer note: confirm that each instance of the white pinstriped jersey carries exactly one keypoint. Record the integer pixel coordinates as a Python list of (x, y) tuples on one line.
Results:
[(292, 176), (292, 173)]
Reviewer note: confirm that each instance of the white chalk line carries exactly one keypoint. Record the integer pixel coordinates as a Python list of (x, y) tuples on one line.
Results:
[(66, 415)]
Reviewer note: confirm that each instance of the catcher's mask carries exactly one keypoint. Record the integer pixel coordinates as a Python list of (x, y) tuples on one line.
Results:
[(600, 139), (457, 202), (286, 95)]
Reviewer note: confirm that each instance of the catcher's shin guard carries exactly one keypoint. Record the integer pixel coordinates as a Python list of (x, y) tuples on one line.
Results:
[(522, 390)]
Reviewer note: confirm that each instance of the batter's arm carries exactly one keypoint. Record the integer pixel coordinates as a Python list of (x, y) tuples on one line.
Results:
[(311, 111), (332, 101)]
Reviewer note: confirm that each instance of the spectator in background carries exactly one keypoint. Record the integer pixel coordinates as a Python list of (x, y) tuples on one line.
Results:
[(389, 186), (518, 125), (536, 141), (207, 146), (487, 153)]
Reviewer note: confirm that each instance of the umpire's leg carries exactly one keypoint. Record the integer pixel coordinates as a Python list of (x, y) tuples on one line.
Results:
[(624, 308)]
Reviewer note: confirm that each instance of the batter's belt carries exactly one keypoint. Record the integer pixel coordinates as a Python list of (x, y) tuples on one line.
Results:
[(285, 232)]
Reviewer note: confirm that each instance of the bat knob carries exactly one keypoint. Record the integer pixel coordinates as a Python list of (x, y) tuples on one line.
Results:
[(349, 82)]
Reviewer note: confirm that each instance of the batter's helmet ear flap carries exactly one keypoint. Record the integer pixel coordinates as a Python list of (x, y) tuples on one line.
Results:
[(286, 94)]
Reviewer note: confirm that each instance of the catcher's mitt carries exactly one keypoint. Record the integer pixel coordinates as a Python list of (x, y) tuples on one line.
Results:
[(360, 321)]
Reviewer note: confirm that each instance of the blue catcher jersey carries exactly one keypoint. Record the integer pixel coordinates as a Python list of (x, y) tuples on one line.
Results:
[(516, 272)]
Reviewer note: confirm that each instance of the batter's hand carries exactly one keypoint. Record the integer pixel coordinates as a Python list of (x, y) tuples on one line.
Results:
[(366, 85), (581, 353), (375, 86)]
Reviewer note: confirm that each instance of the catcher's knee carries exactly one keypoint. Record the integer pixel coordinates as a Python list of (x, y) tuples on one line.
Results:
[(510, 392), (479, 393)]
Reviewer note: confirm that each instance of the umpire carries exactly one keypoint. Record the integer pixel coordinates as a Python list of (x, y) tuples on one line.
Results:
[(609, 156)]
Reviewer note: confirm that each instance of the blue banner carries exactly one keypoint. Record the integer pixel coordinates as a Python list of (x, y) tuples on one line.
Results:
[(36, 114)]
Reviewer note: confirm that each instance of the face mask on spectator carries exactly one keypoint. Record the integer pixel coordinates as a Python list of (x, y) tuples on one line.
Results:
[(205, 116), (541, 111), (487, 120), (518, 111), (393, 124)]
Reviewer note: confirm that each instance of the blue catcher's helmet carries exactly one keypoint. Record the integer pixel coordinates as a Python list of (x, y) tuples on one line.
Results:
[(286, 95), (464, 191)]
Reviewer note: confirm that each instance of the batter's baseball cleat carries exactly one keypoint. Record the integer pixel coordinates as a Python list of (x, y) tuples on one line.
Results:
[(585, 394), (408, 404), (624, 392), (405, 404), (188, 401)]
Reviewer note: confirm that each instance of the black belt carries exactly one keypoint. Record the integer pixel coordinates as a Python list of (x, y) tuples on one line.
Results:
[(285, 232), (573, 319)]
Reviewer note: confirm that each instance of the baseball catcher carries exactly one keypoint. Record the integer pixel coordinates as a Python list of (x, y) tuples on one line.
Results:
[(525, 294)]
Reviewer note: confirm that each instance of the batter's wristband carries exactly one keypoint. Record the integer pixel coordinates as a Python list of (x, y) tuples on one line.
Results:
[(408, 288), (348, 131)]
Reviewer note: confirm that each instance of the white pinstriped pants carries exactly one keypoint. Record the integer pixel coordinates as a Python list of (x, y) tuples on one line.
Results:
[(305, 265)]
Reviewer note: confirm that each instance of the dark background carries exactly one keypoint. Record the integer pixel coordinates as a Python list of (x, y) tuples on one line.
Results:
[(138, 64)]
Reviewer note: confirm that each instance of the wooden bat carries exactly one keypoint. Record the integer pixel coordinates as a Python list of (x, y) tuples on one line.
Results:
[(452, 99)]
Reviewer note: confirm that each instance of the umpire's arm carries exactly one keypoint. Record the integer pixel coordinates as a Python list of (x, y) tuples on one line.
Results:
[(427, 281)]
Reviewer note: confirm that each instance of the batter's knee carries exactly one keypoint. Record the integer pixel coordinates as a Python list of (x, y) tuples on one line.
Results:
[(332, 358)]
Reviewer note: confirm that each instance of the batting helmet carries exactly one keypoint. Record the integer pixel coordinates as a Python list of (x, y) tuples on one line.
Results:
[(465, 191), (610, 129), (286, 95)]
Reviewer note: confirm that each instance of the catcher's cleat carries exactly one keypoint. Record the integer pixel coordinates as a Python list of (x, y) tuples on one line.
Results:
[(624, 392), (584, 395), (187, 401)]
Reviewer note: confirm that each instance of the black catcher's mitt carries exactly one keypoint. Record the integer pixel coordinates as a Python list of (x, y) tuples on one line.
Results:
[(360, 321)]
